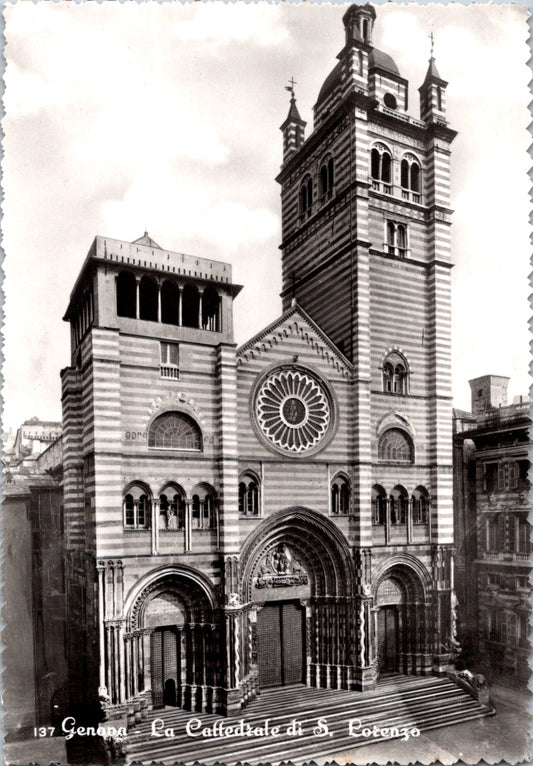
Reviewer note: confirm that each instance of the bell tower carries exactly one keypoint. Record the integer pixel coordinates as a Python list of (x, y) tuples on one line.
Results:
[(366, 252)]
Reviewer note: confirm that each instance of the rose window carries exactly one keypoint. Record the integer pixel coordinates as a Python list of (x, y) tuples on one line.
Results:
[(292, 410)]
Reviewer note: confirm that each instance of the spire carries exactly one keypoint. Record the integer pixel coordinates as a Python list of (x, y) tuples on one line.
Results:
[(293, 128), (294, 114), (432, 90), (432, 73)]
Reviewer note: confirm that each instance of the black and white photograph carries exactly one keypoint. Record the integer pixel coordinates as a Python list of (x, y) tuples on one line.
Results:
[(266, 424)]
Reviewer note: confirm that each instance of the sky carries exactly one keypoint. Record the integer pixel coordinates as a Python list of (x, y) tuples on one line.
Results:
[(126, 117)]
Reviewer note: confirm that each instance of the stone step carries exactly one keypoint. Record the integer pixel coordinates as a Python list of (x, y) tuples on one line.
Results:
[(298, 697), (424, 703), (308, 708)]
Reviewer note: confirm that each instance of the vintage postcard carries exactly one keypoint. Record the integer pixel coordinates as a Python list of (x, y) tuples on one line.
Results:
[(266, 424)]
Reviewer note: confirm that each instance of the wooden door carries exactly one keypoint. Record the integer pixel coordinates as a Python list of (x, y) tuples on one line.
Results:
[(292, 643), (165, 666), (280, 644), (388, 638)]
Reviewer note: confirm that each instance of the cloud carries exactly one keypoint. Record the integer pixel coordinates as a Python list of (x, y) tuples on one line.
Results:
[(150, 126), (236, 225), (26, 93), (223, 24), (161, 203)]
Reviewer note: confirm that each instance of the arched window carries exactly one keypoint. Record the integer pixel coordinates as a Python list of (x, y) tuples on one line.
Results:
[(395, 446), (203, 508), (210, 309), (420, 502), (379, 505), (399, 505), (327, 173), (323, 181), (395, 375), (175, 430), (306, 196), (249, 495), (381, 168), (388, 375), (126, 295), (340, 495), (191, 306), (410, 178), (172, 508), (137, 508), (170, 298), (396, 234)]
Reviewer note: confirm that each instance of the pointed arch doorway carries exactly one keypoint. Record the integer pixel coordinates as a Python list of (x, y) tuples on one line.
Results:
[(298, 578)]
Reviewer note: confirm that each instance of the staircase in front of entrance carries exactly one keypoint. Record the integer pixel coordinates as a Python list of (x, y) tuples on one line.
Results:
[(400, 702)]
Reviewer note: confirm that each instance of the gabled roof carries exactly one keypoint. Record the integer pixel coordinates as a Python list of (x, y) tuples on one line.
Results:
[(322, 344)]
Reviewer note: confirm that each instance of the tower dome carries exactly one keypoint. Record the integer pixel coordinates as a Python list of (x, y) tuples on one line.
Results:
[(379, 60)]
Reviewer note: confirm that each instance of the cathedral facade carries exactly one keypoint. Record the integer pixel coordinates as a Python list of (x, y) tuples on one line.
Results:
[(238, 518)]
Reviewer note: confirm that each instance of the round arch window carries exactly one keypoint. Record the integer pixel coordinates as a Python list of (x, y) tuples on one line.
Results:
[(175, 430), (395, 446), (293, 411)]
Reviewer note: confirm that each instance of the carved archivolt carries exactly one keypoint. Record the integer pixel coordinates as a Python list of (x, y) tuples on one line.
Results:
[(409, 573), (195, 594)]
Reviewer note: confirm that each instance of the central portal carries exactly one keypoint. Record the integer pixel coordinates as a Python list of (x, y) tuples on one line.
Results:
[(280, 641)]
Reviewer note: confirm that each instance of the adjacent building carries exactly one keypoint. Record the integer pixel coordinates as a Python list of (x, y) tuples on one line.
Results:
[(34, 674), (238, 518), (492, 502)]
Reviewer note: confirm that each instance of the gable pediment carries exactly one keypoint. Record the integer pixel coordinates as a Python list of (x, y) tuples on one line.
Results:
[(295, 324)]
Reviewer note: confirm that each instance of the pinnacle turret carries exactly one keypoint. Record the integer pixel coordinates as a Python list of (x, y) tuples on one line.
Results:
[(293, 128)]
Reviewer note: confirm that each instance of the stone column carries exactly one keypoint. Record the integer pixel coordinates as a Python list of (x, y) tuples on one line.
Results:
[(200, 304), (137, 297), (122, 661), (387, 521), (365, 671), (155, 527), (101, 627), (180, 305), (109, 664), (188, 525), (232, 613), (159, 300), (410, 521)]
